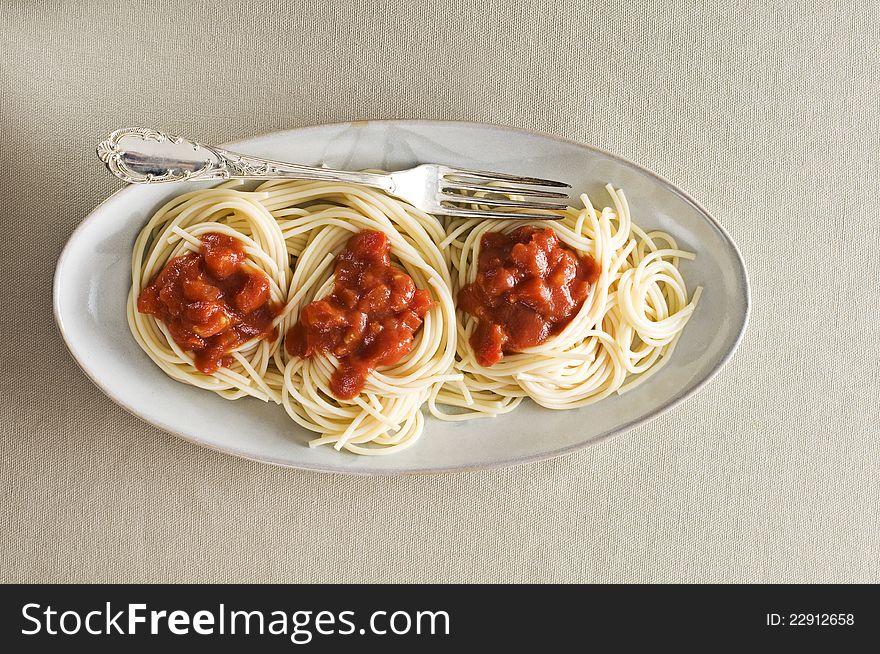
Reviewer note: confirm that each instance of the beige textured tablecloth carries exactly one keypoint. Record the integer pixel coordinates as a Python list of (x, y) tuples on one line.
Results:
[(768, 113)]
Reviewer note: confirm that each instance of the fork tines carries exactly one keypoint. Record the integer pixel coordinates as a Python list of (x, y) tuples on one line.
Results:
[(458, 186)]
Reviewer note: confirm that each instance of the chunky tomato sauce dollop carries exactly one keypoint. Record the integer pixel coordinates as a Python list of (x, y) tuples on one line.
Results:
[(210, 302), (528, 287), (367, 321)]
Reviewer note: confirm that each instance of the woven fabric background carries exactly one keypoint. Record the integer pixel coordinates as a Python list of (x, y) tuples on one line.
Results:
[(768, 113)]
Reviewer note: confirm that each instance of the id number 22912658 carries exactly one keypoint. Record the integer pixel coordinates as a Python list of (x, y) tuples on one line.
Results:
[(810, 619)]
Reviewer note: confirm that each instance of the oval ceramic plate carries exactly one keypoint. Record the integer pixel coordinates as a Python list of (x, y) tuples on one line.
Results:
[(92, 280)]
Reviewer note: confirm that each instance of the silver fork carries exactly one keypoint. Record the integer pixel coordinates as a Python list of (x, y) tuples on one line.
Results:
[(140, 155)]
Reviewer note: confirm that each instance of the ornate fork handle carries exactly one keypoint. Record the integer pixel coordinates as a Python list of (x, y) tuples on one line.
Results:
[(140, 155)]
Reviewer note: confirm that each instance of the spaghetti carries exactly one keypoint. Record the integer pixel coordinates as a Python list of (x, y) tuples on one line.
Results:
[(625, 330), (293, 231)]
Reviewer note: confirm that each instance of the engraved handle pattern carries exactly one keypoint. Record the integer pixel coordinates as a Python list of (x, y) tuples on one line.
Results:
[(141, 155)]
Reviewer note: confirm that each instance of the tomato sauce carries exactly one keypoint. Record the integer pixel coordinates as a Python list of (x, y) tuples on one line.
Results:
[(211, 302), (367, 321), (528, 288)]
